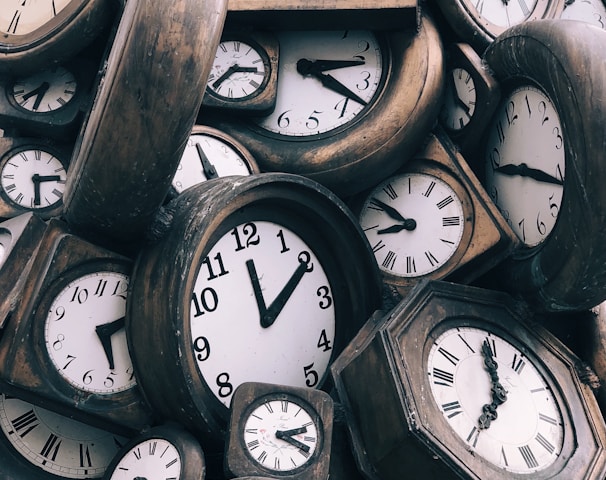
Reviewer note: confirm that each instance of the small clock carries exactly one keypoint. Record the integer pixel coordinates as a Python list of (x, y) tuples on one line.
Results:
[(278, 431), (479, 23), (33, 174), (541, 161), (66, 342), (161, 453), (244, 74), (19, 240), (209, 154), (240, 261), (432, 219), (348, 112), (467, 376), (38, 34), (44, 445), (470, 98), (140, 105), (48, 103)]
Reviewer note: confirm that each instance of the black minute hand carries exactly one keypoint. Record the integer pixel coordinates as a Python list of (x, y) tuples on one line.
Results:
[(105, 332), (310, 66), (525, 171)]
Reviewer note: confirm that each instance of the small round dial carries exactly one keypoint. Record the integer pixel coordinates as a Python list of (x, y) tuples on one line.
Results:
[(153, 458), (238, 70), (33, 178), (18, 17), (459, 99), (525, 163), (45, 91), (85, 336), (414, 223), (280, 434), (495, 399), (325, 79), (55, 443)]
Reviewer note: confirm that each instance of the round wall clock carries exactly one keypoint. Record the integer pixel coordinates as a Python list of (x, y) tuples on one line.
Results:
[(242, 261), (348, 112), (541, 161), (480, 22), (38, 34), (487, 389)]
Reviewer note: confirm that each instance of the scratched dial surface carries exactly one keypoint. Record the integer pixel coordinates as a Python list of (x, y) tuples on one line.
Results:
[(254, 269), (527, 435)]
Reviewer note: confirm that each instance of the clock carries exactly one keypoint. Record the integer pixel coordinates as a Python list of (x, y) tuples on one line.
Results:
[(433, 219), (65, 342), (140, 105), (252, 255), (47, 103), (479, 23), (36, 35), (211, 153), (348, 112), (467, 376), (590, 11), (163, 452), (39, 443), (471, 95), (278, 431), (19, 240), (540, 162), (244, 74), (33, 173)]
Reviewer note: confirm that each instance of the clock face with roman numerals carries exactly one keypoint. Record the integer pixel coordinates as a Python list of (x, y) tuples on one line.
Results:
[(414, 223), (54, 443), (522, 431), (154, 458)]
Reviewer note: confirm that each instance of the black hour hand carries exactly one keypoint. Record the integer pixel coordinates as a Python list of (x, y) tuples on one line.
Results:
[(524, 170), (105, 332), (287, 436)]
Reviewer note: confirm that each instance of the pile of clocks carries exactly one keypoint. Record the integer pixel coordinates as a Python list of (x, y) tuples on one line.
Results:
[(231, 250)]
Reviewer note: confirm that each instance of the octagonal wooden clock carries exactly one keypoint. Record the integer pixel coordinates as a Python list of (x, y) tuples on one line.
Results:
[(462, 382)]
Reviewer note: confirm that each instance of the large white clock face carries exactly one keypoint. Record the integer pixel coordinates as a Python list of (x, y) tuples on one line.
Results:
[(152, 459), (19, 17), (262, 310), (504, 13), (280, 435), (525, 163), (527, 434), (85, 335), (414, 223), (316, 92), (57, 444)]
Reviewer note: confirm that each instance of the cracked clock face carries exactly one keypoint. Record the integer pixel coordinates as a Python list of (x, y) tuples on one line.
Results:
[(526, 434)]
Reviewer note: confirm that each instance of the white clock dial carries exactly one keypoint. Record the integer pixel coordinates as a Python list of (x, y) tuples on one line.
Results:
[(45, 91), (317, 93), (237, 71), (460, 99), (154, 458), (85, 336), (527, 434), (207, 157), (590, 11), (280, 434), (57, 444), (19, 17), (5, 243), (414, 223), (261, 280), (33, 179), (504, 13), (525, 163)]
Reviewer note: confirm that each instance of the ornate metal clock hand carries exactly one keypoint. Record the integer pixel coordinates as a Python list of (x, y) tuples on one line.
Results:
[(269, 315), (499, 394), (525, 171), (287, 436), (208, 168), (328, 81), (105, 332), (37, 179)]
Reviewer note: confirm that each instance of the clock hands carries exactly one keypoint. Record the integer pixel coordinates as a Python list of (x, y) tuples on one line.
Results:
[(287, 436), (456, 97), (37, 179), (268, 315), (208, 168), (105, 332), (308, 68), (407, 223), (499, 394), (525, 171), (38, 93), (235, 68)]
